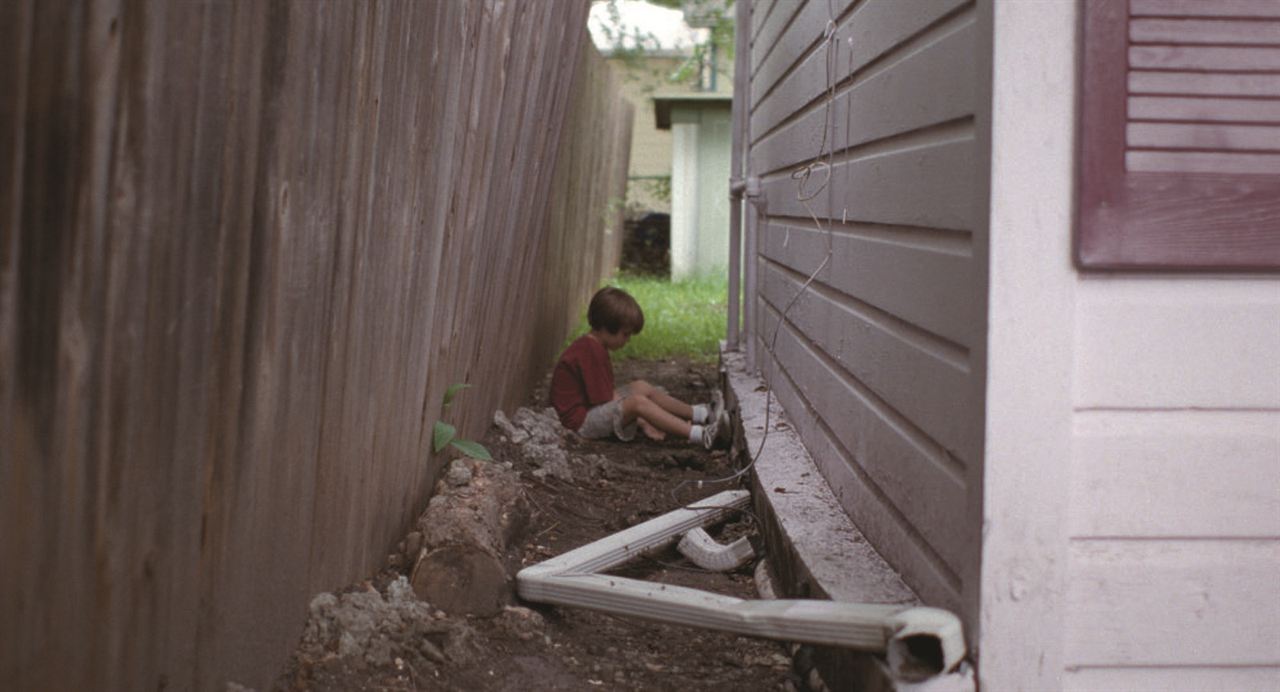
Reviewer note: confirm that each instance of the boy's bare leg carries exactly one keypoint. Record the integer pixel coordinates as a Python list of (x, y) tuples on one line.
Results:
[(649, 431), (668, 403), (639, 406)]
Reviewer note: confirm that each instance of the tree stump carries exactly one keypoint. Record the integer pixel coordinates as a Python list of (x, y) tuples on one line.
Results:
[(462, 566)]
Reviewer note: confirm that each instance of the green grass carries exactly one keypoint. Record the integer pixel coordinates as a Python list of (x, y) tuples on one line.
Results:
[(681, 318)]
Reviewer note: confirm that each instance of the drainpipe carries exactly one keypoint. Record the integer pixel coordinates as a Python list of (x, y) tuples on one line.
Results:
[(920, 642), (738, 164), (750, 302), (741, 82)]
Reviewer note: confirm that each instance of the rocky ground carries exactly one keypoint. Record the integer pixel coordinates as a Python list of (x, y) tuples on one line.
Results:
[(555, 492)]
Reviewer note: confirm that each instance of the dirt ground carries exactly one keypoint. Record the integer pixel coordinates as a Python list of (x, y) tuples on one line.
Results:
[(540, 647)]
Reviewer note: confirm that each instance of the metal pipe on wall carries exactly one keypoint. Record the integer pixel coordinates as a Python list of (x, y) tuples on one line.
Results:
[(749, 275), (741, 108), (750, 188)]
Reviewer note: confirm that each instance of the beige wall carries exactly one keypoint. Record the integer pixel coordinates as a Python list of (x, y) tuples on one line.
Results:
[(1133, 470), (651, 149)]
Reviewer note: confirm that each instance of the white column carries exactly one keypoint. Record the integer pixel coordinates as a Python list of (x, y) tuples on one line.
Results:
[(684, 198)]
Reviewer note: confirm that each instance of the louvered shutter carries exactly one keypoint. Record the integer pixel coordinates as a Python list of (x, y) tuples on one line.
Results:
[(1179, 138)]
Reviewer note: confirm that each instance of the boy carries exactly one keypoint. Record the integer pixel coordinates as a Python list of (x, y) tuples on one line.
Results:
[(582, 384)]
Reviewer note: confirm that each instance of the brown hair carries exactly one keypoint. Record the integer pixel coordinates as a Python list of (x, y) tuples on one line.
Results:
[(613, 310)]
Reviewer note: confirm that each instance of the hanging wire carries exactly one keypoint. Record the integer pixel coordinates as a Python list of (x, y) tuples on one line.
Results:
[(806, 191)]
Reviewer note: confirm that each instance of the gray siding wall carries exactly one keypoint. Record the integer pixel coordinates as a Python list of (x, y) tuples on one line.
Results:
[(879, 362)]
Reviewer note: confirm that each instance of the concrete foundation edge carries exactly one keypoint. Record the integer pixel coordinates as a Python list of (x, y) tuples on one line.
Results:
[(814, 550)]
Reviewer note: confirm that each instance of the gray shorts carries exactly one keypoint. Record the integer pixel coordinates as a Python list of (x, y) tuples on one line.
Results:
[(606, 419)]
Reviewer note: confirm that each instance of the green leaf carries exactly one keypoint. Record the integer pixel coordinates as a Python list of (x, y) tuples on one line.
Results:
[(442, 435), (451, 392), (475, 450)]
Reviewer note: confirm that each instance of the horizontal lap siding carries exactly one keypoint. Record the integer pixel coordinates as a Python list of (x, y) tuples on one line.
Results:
[(1174, 509), (245, 247), (875, 361)]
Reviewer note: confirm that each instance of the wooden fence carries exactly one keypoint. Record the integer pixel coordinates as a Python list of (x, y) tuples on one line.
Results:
[(244, 248)]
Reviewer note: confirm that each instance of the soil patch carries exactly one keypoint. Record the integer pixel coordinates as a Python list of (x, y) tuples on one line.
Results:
[(378, 635)]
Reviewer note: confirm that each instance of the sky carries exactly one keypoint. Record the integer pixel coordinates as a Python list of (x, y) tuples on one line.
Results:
[(666, 26)]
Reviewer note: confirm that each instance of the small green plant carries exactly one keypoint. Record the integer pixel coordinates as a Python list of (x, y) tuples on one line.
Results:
[(445, 435)]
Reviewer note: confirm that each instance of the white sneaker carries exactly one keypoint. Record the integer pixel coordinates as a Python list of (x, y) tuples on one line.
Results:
[(709, 434), (719, 414)]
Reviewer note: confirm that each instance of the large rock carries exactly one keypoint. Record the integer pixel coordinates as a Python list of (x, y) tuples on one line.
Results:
[(365, 629)]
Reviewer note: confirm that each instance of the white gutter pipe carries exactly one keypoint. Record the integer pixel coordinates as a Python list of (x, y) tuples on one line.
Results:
[(750, 299), (703, 551), (741, 109), (920, 642)]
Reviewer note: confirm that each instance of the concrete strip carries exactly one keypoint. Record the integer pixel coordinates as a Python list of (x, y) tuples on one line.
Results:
[(816, 550)]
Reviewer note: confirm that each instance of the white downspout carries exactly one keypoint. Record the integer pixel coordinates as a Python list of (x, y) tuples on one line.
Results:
[(737, 182), (749, 301), (749, 249), (920, 642)]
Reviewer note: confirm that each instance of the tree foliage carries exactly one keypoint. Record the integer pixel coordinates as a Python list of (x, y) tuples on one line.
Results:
[(631, 45)]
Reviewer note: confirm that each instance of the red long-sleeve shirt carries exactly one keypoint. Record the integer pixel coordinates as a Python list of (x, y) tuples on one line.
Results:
[(583, 379)]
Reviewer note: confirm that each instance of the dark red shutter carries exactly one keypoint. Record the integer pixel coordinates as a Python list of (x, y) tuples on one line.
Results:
[(1179, 137)]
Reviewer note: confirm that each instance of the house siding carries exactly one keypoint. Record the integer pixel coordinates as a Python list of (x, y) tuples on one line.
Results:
[(1174, 507), (1132, 466), (879, 361)]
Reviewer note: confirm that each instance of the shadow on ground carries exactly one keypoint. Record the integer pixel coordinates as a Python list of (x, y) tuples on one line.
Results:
[(379, 635)]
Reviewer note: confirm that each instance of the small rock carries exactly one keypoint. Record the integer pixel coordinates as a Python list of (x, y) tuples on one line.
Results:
[(321, 603), (459, 473), (513, 433), (520, 622), (400, 591), (815, 681), (462, 646), (379, 652), (348, 645), (413, 544)]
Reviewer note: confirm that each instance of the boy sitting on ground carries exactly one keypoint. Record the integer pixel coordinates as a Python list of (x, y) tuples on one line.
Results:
[(583, 394)]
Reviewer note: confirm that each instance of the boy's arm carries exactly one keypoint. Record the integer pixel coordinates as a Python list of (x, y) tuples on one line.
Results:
[(595, 374)]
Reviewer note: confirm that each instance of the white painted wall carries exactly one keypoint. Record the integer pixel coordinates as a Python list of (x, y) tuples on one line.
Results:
[(684, 197), (714, 145), (700, 190), (1031, 312), (1132, 487)]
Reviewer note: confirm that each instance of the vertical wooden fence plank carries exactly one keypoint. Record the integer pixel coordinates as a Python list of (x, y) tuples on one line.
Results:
[(244, 247)]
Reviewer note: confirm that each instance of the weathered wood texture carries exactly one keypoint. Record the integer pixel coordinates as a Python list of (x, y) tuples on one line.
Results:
[(244, 248), (879, 361)]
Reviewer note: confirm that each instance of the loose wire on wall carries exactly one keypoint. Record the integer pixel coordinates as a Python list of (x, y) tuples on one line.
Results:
[(804, 194)]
